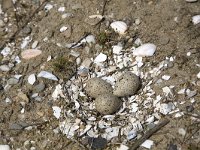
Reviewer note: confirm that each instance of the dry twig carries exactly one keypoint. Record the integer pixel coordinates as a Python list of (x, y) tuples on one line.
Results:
[(149, 134)]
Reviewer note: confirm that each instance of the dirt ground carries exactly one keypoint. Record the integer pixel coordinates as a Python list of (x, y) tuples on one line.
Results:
[(166, 23)]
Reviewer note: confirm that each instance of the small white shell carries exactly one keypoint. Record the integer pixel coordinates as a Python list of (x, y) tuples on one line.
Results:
[(47, 75), (100, 58), (147, 49), (196, 19), (31, 79), (119, 27)]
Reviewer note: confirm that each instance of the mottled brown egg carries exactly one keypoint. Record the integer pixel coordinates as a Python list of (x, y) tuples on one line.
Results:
[(126, 85), (107, 104), (97, 86)]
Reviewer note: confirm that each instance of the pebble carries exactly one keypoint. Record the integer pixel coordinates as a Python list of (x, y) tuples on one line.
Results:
[(26, 31), (12, 81), (137, 21), (83, 72), (23, 97), (86, 63), (78, 61), (182, 131), (39, 87), (100, 58), (172, 147), (5, 68), (196, 19), (67, 33), (74, 53), (189, 108), (93, 19), (30, 53), (34, 45), (4, 147)]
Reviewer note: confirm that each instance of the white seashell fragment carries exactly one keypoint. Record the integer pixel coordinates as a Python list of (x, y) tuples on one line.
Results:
[(4, 147), (166, 90), (34, 45), (165, 77), (25, 42), (131, 135), (166, 108), (90, 39), (147, 144), (122, 147), (30, 53), (100, 58), (47, 75), (61, 9), (31, 79), (56, 111), (147, 49), (117, 49), (111, 133), (64, 28), (6, 51), (198, 75), (48, 6), (119, 27), (58, 92), (196, 19)]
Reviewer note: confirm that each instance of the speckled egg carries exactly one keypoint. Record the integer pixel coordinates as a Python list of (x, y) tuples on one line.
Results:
[(97, 86), (107, 104), (126, 85)]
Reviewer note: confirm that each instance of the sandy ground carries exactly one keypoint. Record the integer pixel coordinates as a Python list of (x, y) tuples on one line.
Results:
[(166, 23)]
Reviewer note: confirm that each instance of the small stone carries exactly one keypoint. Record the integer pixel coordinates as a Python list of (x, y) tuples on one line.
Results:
[(25, 31), (30, 53), (78, 61), (23, 97), (5, 68), (12, 81), (189, 108), (98, 143), (182, 131), (172, 146), (34, 45), (83, 72), (67, 33), (93, 19), (39, 87), (137, 21), (86, 63)]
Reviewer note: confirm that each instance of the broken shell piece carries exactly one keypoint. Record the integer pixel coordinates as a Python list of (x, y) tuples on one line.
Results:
[(4, 147), (117, 49), (47, 75), (64, 28), (198, 75), (56, 111), (165, 77), (97, 86), (107, 104), (147, 144), (126, 85), (147, 49), (31, 79), (119, 27), (30, 53), (196, 19), (100, 58)]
